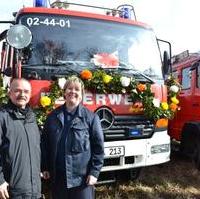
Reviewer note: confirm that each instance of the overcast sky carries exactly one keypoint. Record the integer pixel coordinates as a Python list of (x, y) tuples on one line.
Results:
[(176, 21)]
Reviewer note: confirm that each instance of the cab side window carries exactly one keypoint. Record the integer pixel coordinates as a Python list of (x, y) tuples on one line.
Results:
[(186, 78), (198, 76)]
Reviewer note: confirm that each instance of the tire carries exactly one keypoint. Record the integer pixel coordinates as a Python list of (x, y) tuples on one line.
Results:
[(128, 174), (190, 133), (135, 173), (190, 142), (196, 155)]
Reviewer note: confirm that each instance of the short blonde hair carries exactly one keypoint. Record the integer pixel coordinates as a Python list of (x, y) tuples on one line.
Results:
[(74, 79)]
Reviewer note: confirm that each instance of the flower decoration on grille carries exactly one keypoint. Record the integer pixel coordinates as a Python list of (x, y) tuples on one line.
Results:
[(143, 98), (47, 102), (174, 89), (100, 81)]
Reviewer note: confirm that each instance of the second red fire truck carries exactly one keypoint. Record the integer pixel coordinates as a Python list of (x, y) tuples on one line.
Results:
[(185, 127)]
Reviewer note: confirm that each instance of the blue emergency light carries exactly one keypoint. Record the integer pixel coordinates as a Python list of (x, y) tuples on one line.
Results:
[(127, 11), (40, 3)]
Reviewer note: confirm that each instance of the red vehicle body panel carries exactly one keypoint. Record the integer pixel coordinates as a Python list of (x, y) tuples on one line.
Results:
[(189, 98), (80, 14), (119, 104)]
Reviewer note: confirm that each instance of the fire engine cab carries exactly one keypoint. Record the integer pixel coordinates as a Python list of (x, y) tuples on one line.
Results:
[(185, 127), (45, 43)]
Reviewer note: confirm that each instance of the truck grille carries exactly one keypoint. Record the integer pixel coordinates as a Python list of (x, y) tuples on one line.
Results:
[(129, 127), (124, 127)]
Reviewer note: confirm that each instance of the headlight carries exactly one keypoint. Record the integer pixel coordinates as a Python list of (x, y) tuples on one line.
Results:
[(160, 148)]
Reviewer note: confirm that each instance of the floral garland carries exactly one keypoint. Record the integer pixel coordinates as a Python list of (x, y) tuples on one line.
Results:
[(101, 81), (3, 92)]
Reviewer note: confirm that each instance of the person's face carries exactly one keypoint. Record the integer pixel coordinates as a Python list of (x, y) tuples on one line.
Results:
[(73, 94), (20, 93)]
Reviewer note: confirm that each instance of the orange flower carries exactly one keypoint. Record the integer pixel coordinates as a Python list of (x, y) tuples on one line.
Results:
[(141, 87), (86, 74), (173, 107), (137, 107), (163, 122)]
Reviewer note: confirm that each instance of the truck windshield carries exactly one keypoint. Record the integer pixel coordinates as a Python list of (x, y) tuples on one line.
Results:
[(66, 41)]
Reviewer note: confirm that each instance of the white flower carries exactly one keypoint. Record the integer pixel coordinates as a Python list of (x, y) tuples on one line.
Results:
[(61, 82), (123, 90), (125, 81), (174, 88), (134, 91), (156, 102)]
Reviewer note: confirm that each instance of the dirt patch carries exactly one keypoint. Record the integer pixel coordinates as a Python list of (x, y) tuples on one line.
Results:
[(177, 179)]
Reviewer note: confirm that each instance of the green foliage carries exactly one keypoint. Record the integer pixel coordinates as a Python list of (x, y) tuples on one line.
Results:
[(3, 92), (99, 83), (105, 82)]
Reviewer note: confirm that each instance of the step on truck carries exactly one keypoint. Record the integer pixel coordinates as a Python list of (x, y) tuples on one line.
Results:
[(48, 42)]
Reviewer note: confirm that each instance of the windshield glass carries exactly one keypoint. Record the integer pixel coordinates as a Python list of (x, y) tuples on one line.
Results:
[(65, 41)]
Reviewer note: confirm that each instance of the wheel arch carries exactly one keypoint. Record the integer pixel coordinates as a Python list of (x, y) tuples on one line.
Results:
[(190, 136)]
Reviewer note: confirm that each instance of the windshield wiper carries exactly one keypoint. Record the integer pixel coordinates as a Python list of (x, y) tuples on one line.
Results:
[(130, 67), (72, 62), (62, 69)]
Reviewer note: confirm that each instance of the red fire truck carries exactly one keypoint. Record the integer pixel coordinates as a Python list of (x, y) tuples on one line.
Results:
[(185, 127), (47, 43)]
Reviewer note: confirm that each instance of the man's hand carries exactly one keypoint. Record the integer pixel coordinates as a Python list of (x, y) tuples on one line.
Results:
[(4, 191), (91, 180)]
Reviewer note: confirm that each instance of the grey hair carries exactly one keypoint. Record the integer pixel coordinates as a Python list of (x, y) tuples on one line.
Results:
[(14, 80), (74, 79)]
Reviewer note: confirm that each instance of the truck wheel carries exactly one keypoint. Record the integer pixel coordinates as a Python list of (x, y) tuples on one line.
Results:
[(128, 174), (190, 142), (196, 155), (135, 173)]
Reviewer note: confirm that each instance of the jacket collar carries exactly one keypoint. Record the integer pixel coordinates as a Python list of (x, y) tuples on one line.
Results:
[(14, 111), (61, 109)]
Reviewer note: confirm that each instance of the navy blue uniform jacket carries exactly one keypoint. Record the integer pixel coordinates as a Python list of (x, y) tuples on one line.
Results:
[(84, 151)]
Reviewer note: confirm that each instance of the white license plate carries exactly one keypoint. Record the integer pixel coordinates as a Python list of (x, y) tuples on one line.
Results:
[(114, 151)]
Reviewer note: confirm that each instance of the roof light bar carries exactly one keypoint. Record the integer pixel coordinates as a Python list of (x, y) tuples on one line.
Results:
[(40, 3)]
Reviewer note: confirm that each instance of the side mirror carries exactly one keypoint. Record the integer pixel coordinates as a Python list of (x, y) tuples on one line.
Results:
[(3, 35), (19, 36), (166, 68)]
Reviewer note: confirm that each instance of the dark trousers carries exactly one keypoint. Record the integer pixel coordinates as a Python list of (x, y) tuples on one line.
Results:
[(23, 197), (59, 191)]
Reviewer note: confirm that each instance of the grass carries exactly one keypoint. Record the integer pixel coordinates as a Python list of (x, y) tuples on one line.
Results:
[(177, 179)]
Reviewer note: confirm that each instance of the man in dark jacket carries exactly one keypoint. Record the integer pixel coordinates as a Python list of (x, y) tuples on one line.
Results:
[(73, 143), (19, 146)]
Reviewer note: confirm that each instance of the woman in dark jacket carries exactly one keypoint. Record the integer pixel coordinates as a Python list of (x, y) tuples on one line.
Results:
[(73, 146)]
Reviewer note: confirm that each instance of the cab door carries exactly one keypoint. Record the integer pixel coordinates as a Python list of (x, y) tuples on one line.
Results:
[(195, 103), (186, 79)]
